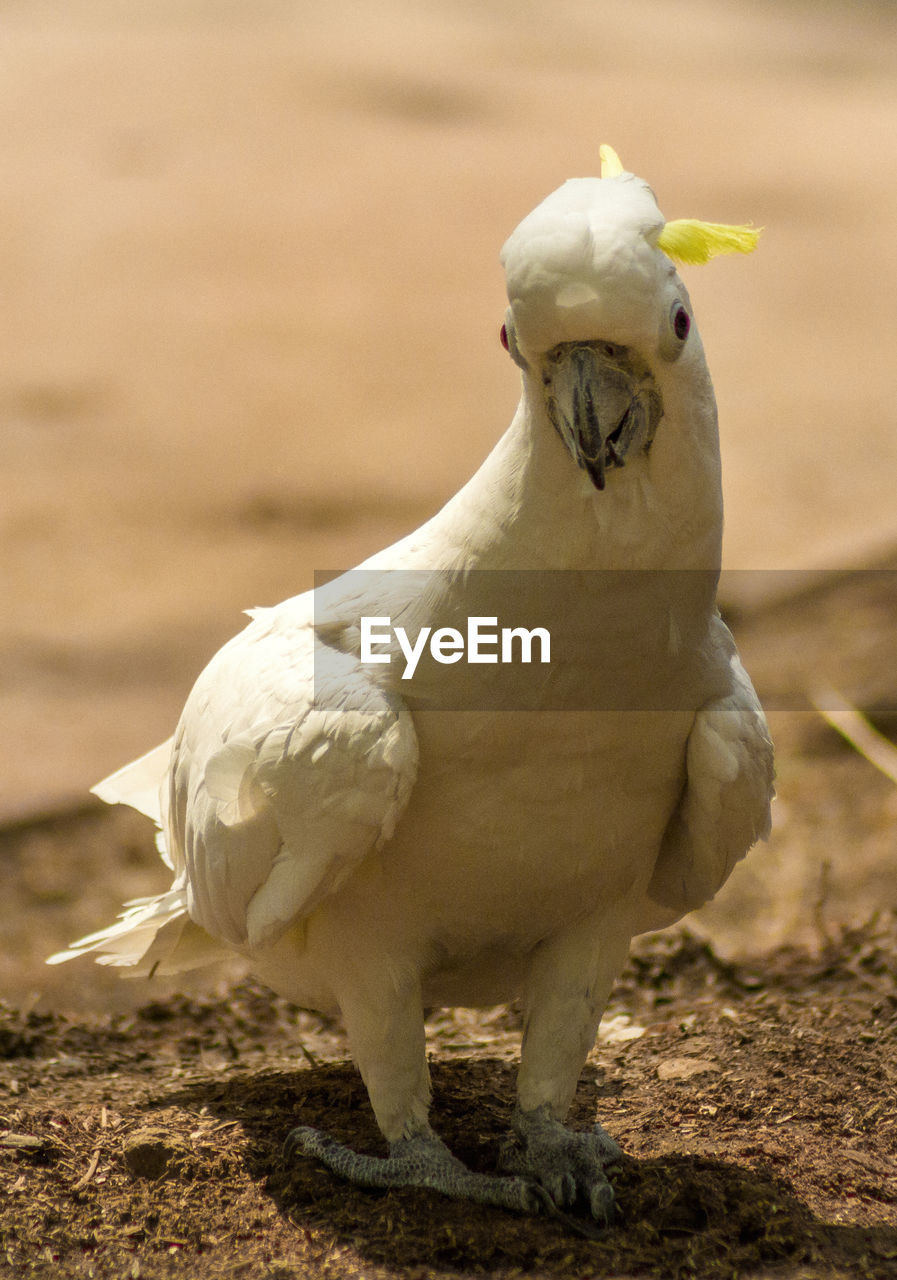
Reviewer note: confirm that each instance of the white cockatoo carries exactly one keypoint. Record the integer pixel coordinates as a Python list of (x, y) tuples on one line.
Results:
[(374, 849)]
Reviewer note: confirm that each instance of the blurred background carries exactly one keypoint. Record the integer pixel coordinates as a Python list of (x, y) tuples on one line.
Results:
[(249, 329)]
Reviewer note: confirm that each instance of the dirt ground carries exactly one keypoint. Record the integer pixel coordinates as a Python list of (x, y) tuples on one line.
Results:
[(248, 257), (755, 1106)]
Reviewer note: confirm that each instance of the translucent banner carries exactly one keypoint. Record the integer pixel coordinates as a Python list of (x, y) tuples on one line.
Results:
[(615, 640)]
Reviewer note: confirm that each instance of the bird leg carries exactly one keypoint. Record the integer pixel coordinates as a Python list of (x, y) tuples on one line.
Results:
[(386, 1030), (547, 1166), (420, 1160), (568, 984)]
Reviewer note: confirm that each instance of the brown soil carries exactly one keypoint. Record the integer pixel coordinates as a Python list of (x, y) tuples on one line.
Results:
[(755, 1107)]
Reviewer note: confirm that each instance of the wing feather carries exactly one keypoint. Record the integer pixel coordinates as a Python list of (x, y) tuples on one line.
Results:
[(311, 772), (725, 803)]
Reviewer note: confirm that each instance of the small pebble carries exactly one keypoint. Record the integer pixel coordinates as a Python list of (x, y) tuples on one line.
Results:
[(685, 1068), (149, 1152)]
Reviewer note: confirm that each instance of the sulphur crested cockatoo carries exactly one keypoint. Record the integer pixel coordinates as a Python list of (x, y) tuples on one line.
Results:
[(374, 851)]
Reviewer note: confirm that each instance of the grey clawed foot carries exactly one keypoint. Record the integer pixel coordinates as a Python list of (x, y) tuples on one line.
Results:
[(422, 1160), (569, 1166)]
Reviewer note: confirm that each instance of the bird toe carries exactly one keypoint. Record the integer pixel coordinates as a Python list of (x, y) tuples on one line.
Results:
[(422, 1160), (568, 1166), (601, 1202)]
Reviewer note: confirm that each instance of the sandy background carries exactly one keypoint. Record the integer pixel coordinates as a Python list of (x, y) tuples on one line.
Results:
[(251, 294)]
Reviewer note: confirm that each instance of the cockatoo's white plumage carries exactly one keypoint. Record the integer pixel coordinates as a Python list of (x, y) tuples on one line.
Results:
[(372, 859)]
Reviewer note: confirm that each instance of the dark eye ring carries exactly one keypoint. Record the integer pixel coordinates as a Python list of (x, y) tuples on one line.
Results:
[(503, 336), (681, 321)]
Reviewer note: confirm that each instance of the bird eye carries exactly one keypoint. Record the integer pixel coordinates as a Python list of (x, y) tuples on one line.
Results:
[(681, 321), (508, 337)]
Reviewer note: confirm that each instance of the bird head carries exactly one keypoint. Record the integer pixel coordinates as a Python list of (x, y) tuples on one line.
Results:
[(597, 309)]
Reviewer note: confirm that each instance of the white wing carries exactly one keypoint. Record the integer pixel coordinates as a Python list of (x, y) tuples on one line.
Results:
[(725, 804), (288, 767)]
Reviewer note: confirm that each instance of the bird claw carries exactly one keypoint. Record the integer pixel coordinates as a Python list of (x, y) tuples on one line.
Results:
[(550, 1167), (422, 1160), (566, 1165)]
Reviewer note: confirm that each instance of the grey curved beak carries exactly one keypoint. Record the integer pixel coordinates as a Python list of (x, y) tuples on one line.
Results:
[(603, 402)]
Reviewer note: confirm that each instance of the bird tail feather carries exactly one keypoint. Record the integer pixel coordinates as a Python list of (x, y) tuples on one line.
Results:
[(152, 936)]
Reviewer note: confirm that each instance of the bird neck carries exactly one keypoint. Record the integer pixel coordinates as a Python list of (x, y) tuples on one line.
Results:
[(530, 506)]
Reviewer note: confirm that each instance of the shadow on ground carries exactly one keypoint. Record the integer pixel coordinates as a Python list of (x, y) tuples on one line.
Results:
[(679, 1215)]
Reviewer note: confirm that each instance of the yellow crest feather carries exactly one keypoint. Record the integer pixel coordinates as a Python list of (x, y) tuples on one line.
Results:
[(691, 241), (611, 164)]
